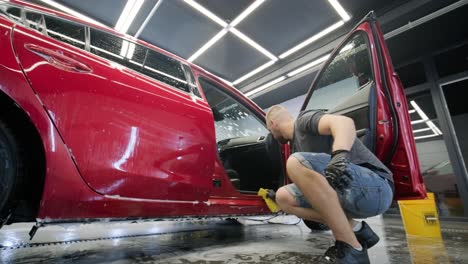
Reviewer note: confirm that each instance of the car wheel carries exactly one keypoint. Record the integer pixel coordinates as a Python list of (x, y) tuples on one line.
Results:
[(11, 170), (315, 226)]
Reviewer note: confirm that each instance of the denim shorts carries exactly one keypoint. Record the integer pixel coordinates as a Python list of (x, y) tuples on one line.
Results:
[(369, 195)]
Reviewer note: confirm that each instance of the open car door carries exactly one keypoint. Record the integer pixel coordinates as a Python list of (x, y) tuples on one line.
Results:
[(358, 81)]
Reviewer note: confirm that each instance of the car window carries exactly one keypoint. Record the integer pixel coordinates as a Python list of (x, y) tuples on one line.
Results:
[(232, 119), (117, 49), (35, 21), (65, 31), (139, 58), (134, 56), (165, 69), (59, 29), (348, 72), (12, 12)]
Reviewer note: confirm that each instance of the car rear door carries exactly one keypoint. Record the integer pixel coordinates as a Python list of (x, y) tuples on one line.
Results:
[(130, 135), (358, 81)]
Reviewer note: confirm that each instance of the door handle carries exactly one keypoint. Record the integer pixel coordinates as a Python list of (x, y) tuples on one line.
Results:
[(58, 59)]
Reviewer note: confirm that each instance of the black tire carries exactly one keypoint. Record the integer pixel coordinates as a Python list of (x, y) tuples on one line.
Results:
[(11, 170), (315, 226)]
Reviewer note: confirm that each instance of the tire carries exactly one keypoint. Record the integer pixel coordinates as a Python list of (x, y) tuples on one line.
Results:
[(315, 226), (11, 170)]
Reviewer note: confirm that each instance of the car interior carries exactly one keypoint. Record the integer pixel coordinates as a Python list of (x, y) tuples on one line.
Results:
[(249, 154), (349, 77)]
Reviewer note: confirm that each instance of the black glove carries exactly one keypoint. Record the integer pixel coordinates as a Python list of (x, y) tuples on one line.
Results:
[(336, 171), (271, 194)]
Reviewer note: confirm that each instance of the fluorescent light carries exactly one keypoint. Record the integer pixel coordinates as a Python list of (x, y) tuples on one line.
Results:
[(427, 136), (131, 50), (339, 9), (72, 12), (208, 45), (347, 47), (148, 18), (434, 127), (253, 44), (411, 111), (418, 121), (312, 39), (128, 49), (426, 119), (129, 150), (308, 66), (124, 15), (263, 87), (128, 15), (206, 12), (421, 130), (246, 12), (229, 27), (250, 74), (226, 81), (124, 49)]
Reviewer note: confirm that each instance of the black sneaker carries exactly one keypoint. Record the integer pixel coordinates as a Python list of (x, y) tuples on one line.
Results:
[(367, 236), (342, 253)]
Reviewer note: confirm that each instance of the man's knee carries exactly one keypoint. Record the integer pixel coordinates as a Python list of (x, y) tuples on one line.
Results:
[(285, 199), (293, 166)]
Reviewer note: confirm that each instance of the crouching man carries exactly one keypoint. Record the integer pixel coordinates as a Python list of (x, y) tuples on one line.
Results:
[(335, 178)]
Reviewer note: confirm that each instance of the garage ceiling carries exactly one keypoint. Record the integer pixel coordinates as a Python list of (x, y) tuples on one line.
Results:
[(241, 41), (232, 39)]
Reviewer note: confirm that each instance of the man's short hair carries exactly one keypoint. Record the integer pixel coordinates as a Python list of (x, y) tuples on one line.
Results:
[(277, 113)]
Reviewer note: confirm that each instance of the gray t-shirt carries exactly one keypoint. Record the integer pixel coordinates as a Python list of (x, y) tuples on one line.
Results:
[(306, 138)]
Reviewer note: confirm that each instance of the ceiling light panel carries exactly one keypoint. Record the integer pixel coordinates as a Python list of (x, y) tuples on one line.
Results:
[(263, 87), (424, 119), (340, 10), (230, 27), (308, 65), (253, 44), (230, 58), (208, 45), (246, 12), (312, 39), (128, 15), (166, 31), (71, 12), (148, 18), (252, 73), (206, 12)]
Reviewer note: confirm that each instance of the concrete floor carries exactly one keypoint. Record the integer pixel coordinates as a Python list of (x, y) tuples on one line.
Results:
[(217, 241)]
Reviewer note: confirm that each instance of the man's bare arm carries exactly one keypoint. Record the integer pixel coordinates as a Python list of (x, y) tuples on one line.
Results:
[(341, 128)]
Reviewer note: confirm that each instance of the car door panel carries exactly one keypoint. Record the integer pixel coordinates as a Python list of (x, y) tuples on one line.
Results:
[(129, 135), (356, 107), (376, 104), (357, 101)]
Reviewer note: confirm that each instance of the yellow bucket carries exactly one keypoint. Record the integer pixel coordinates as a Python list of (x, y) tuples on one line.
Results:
[(420, 217)]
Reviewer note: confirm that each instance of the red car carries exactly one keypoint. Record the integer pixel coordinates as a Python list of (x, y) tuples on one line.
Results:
[(95, 124)]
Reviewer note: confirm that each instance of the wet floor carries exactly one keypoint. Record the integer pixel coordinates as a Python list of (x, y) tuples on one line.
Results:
[(217, 241)]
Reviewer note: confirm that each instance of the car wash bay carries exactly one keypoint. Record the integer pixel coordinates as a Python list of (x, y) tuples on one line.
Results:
[(270, 61), (249, 240)]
